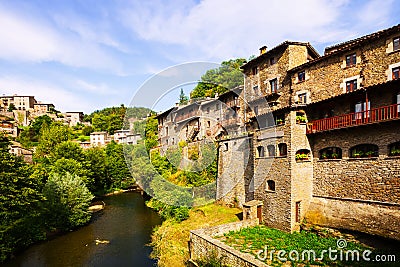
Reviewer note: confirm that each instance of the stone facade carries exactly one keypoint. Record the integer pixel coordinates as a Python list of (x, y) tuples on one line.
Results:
[(321, 136), (202, 245)]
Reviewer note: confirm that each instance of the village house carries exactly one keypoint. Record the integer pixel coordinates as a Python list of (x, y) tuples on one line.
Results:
[(321, 140), (73, 117), (99, 139)]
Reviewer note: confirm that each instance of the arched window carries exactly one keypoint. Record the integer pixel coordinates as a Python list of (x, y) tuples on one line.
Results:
[(302, 154), (270, 185), (282, 149), (330, 153), (271, 150), (301, 117), (364, 151), (260, 152), (394, 149)]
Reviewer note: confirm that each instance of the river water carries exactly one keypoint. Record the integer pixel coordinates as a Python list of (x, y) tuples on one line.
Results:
[(126, 222)]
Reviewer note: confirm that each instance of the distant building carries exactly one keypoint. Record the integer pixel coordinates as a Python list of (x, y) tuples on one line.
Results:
[(85, 145), (99, 138), (42, 108), (8, 128), (120, 134), (74, 117), (130, 139), (20, 102), (19, 151)]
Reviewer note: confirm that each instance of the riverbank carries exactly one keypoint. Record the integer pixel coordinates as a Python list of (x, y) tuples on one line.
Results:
[(170, 240)]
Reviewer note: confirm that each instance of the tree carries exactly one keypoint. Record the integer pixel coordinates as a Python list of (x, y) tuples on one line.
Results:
[(40, 122), (95, 165), (20, 199), (151, 133), (220, 80), (87, 130), (11, 107), (50, 137), (117, 169), (183, 99), (68, 201)]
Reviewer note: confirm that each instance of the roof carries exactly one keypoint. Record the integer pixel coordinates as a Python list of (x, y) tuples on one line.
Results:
[(340, 46), (235, 91), (346, 46), (166, 112), (98, 133), (277, 48)]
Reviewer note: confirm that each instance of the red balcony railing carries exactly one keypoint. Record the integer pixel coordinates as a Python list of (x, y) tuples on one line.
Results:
[(374, 115)]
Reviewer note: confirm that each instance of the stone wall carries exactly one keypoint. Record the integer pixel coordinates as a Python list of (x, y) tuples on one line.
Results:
[(372, 218), (202, 245)]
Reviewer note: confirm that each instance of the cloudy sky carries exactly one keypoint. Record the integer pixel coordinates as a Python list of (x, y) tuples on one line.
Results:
[(84, 55)]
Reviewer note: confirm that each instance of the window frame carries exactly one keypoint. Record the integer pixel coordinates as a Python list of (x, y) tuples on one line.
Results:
[(282, 147), (302, 98), (301, 76), (396, 47), (363, 150), (260, 152), (254, 70), (395, 70), (271, 151), (351, 86), (351, 60), (271, 186), (274, 85)]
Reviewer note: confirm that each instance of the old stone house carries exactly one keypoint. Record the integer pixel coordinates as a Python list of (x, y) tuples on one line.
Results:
[(317, 137)]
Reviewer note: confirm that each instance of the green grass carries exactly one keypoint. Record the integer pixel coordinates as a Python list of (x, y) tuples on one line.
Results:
[(252, 240)]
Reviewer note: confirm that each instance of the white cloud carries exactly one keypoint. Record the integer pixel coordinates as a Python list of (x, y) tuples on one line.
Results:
[(99, 89), (31, 40), (223, 28)]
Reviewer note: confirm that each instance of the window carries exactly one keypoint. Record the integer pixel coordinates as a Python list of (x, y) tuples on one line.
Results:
[(274, 85), (217, 107), (208, 109), (280, 119), (351, 86), (254, 70), (255, 88), (351, 60), (255, 109), (395, 73), (364, 151), (166, 130), (226, 146), (398, 102), (330, 153), (282, 147), (260, 152), (301, 76), (208, 124), (298, 211), (303, 98), (272, 61), (394, 149), (360, 109), (271, 150), (396, 44), (302, 154), (270, 185)]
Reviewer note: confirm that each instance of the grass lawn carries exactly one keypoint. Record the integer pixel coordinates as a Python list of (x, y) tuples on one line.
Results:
[(253, 240), (170, 240)]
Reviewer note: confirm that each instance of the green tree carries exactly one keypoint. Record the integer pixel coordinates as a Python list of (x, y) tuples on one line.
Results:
[(183, 99), (117, 169), (40, 122), (11, 107), (20, 198), (95, 165), (87, 130), (220, 80), (50, 137), (68, 201), (151, 133)]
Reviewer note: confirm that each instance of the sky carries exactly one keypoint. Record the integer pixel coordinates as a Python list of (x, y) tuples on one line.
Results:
[(84, 55)]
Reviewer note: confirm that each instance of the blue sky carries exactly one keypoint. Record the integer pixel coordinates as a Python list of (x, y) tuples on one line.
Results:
[(84, 55)]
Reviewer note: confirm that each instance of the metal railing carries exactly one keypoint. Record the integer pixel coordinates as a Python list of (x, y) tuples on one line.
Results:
[(374, 115)]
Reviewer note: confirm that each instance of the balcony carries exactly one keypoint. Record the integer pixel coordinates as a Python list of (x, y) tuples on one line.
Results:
[(187, 116), (375, 115), (233, 103)]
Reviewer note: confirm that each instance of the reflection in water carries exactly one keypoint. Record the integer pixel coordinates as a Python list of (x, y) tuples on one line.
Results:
[(126, 222)]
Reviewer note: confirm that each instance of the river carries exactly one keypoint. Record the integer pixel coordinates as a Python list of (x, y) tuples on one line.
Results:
[(126, 222)]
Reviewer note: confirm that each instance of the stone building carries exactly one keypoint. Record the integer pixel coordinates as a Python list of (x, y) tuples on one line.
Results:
[(19, 102), (74, 117), (317, 137)]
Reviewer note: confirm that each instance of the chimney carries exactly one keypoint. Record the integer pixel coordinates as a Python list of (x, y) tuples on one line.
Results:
[(263, 49)]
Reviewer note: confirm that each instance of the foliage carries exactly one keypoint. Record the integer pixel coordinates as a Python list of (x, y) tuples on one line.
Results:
[(50, 137), (151, 132), (67, 202), (87, 130), (175, 213), (220, 80), (11, 107), (301, 119), (183, 99), (254, 239), (30, 134), (20, 199), (96, 169), (116, 167)]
